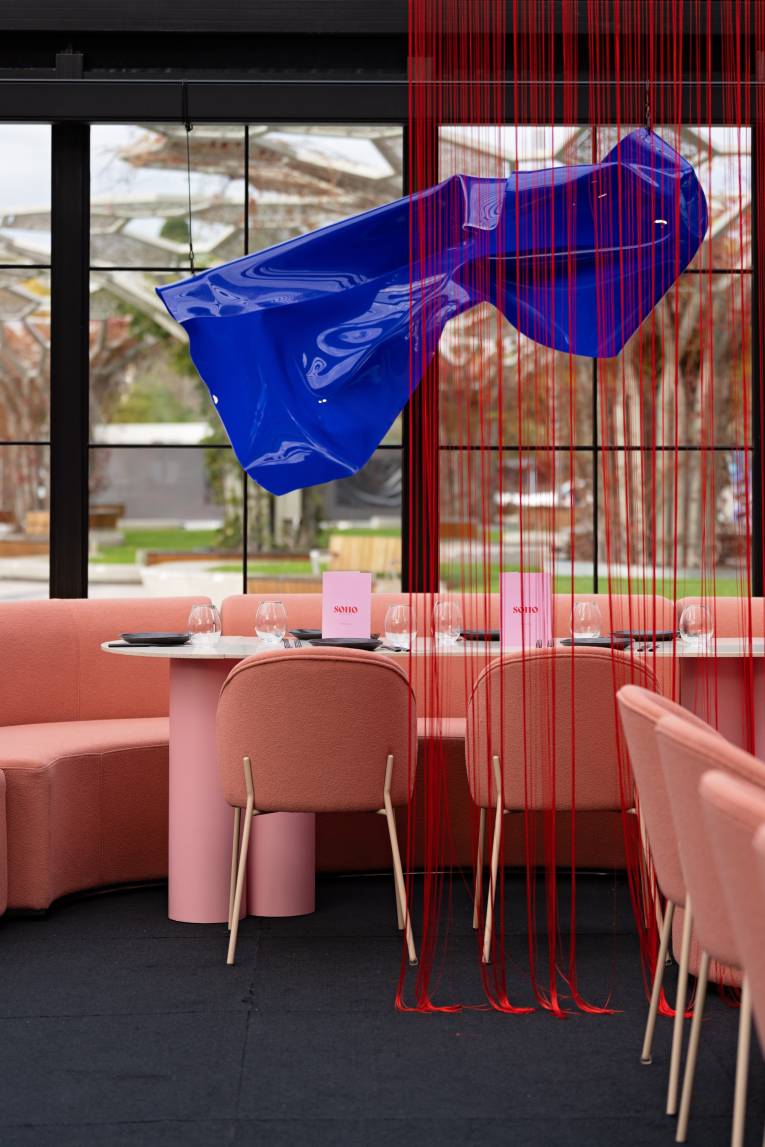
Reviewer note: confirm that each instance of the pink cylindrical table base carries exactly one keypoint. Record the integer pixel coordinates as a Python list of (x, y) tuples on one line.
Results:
[(282, 863), (201, 823)]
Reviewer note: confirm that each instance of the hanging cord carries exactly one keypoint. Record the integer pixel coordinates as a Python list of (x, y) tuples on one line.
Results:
[(189, 128)]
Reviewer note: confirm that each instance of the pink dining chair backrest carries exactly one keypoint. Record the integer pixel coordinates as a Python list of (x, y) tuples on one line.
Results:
[(734, 811), (318, 725), (238, 611), (640, 711), (550, 716), (686, 753)]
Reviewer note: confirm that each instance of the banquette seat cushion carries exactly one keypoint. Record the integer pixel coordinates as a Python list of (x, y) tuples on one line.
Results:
[(83, 746)]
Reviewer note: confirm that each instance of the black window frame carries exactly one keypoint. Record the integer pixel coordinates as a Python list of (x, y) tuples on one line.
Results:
[(71, 102)]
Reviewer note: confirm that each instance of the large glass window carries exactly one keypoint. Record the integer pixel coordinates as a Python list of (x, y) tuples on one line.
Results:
[(24, 360), (170, 507), (633, 469)]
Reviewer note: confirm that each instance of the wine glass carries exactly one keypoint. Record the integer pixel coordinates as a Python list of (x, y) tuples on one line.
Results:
[(447, 622), (400, 627), (271, 622), (586, 620), (696, 628), (204, 624)]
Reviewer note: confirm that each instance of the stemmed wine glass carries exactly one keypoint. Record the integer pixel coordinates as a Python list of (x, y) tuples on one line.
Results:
[(400, 626), (447, 622)]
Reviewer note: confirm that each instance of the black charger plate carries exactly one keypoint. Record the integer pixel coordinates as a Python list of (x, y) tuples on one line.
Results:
[(155, 638), (612, 642), (480, 634), (650, 635), (347, 642)]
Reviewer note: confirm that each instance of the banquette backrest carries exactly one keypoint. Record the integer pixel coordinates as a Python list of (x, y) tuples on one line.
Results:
[(53, 669)]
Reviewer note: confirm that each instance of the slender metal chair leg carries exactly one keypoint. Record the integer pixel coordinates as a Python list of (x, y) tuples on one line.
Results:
[(398, 871), (682, 992), (399, 912), (693, 1049), (495, 845), (479, 868), (234, 857), (658, 979), (742, 1065), (249, 812)]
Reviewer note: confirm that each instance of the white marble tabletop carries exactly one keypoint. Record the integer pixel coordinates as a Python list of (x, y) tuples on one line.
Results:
[(236, 648)]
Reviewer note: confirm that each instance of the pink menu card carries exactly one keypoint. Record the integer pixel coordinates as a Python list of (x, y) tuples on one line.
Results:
[(346, 604), (526, 604)]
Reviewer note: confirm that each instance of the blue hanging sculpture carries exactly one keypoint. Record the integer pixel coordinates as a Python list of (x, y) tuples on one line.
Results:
[(310, 349)]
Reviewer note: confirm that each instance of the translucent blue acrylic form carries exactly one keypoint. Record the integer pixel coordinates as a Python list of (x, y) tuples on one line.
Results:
[(311, 349)]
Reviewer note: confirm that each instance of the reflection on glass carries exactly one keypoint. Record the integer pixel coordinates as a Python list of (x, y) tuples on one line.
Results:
[(139, 195), (352, 524), (25, 183), (143, 385), (162, 523), (24, 354), (506, 510), (24, 521)]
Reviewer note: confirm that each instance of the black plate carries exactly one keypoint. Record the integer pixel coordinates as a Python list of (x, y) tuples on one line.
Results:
[(646, 634), (480, 634), (155, 638), (306, 634), (612, 642), (347, 642)]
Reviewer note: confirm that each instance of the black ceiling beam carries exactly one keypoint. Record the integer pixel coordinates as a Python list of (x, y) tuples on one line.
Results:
[(282, 101)]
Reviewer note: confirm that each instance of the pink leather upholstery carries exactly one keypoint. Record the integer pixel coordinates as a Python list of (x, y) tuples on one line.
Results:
[(317, 725), (734, 811), (551, 719), (758, 1001), (731, 616), (686, 753), (3, 849), (640, 711), (83, 746)]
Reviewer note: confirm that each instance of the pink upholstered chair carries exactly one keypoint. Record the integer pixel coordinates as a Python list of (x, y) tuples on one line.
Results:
[(357, 751), (734, 812), (758, 982), (640, 711), (530, 720), (686, 753)]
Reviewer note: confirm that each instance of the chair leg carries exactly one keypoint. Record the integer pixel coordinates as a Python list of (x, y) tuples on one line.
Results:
[(479, 868), (495, 845), (234, 857), (742, 1065), (248, 815), (398, 871), (400, 921), (677, 1030), (658, 979), (693, 1049)]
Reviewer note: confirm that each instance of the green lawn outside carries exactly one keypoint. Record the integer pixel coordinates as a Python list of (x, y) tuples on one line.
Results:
[(165, 539)]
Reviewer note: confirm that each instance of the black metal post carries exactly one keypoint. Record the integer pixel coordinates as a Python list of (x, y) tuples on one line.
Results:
[(69, 375)]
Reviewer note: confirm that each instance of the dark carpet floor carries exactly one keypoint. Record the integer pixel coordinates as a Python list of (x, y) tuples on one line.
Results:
[(120, 1027)]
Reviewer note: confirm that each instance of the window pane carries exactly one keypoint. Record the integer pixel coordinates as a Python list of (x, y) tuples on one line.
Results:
[(721, 158), (501, 510), (143, 385), (139, 195), (351, 524), (499, 387), (24, 522), (494, 151), (24, 354), (25, 193), (685, 376), (161, 523), (304, 177), (696, 506)]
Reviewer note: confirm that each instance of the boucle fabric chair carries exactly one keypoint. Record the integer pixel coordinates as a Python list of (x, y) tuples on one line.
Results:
[(356, 752), (687, 753)]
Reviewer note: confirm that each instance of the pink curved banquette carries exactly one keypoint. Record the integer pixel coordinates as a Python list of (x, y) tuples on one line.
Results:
[(83, 746)]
